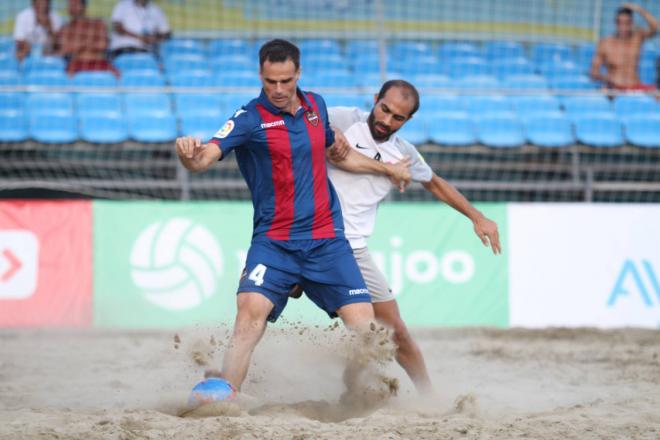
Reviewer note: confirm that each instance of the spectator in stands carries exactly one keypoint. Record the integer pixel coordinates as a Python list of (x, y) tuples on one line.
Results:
[(36, 26), (137, 26), (620, 52), (83, 41)]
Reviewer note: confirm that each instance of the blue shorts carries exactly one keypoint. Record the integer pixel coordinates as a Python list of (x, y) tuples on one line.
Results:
[(325, 269)]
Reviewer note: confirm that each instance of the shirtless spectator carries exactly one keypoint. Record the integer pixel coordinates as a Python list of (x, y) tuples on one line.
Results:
[(620, 52), (36, 25), (83, 41)]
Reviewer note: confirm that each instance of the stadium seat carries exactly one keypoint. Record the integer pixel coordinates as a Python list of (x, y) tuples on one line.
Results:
[(142, 78), (555, 69), (444, 103), (103, 129), (511, 66), (203, 105), (234, 101), (452, 51), (12, 102), (576, 106), (10, 78), (347, 100), (228, 46), (643, 130), (460, 68), (178, 63), (138, 105), (136, 61), (451, 128), (192, 78), (502, 130), (545, 52), (373, 80), (237, 79), (181, 46), (549, 130), (359, 48), (599, 130), (54, 128), (572, 83), (47, 79), (416, 66), (50, 104), (502, 50), (525, 82), (632, 105), (13, 127), (7, 45), (365, 64), (322, 63), (431, 81), (585, 54), (478, 106), (155, 128), (327, 47), (228, 64), (415, 130), (405, 49), (478, 82), (647, 72), (202, 127), (99, 104), (43, 64), (526, 106), (339, 79), (94, 79), (8, 61)]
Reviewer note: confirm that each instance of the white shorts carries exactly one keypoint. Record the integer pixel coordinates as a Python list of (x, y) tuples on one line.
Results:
[(374, 279)]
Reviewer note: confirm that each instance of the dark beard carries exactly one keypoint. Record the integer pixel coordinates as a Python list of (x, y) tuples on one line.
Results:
[(371, 122)]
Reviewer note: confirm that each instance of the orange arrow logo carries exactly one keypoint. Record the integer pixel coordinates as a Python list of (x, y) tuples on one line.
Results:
[(14, 265)]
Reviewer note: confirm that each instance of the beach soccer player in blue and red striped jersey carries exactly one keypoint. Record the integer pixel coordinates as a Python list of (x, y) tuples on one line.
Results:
[(281, 140)]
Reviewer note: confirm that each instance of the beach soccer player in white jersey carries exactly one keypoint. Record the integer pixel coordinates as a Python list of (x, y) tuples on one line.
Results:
[(374, 135)]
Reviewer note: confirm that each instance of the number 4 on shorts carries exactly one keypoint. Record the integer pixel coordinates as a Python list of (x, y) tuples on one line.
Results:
[(257, 274)]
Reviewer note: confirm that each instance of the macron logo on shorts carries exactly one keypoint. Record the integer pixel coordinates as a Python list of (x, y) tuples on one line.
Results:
[(358, 292)]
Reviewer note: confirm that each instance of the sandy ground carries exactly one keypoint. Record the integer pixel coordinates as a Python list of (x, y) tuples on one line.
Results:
[(490, 384)]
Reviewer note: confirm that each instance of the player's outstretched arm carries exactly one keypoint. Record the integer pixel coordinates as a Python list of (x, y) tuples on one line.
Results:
[(485, 228), (196, 156), (354, 162)]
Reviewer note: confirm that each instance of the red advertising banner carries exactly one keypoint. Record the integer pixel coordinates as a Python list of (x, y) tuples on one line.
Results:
[(45, 263)]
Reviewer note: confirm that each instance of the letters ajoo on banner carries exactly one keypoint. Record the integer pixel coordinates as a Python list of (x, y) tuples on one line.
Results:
[(175, 263)]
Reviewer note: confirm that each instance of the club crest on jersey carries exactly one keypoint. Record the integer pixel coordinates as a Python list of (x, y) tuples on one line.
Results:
[(312, 117), (225, 130)]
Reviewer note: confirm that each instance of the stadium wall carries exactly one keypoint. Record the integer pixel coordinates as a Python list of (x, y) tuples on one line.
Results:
[(171, 264)]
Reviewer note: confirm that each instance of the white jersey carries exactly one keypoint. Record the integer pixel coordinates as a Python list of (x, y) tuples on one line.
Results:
[(141, 20), (360, 194), (27, 29)]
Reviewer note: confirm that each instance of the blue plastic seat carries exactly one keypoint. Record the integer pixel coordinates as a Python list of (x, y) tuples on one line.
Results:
[(12, 102), (643, 130), (103, 129), (47, 79), (138, 105), (230, 64), (322, 63), (478, 82), (451, 128), (50, 104), (359, 48), (181, 46), (415, 130), (10, 78), (54, 128), (153, 129), (572, 83), (549, 130), (449, 51), (347, 100), (142, 78), (94, 79), (506, 67), (460, 68), (202, 127), (339, 79), (416, 66), (631, 105), (237, 79), (228, 46), (431, 81), (136, 61), (8, 61), (13, 127), (501, 130), (555, 69), (7, 44), (530, 105), (43, 64), (99, 104), (545, 52), (328, 47), (501, 50), (198, 104), (445, 103), (404, 49), (525, 82), (366, 64), (481, 105), (598, 130), (576, 106), (192, 78), (184, 62), (585, 55), (647, 71)]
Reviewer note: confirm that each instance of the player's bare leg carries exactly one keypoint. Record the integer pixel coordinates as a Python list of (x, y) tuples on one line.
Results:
[(408, 354), (249, 327)]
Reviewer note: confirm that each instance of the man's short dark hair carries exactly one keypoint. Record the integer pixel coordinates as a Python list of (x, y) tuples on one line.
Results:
[(624, 11), (278, 51), (409, 92)]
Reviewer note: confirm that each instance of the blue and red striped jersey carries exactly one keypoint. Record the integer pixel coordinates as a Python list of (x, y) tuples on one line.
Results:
[(282, 158)]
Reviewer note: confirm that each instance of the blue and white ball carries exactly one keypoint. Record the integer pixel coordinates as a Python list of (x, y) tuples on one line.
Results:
[(212, 389)]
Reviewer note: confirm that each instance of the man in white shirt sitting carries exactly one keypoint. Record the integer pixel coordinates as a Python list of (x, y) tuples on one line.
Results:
[(137, 26), (36, 26), (374, 135)]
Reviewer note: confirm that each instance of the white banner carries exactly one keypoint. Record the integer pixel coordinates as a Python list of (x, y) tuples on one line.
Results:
[(584, 265)]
